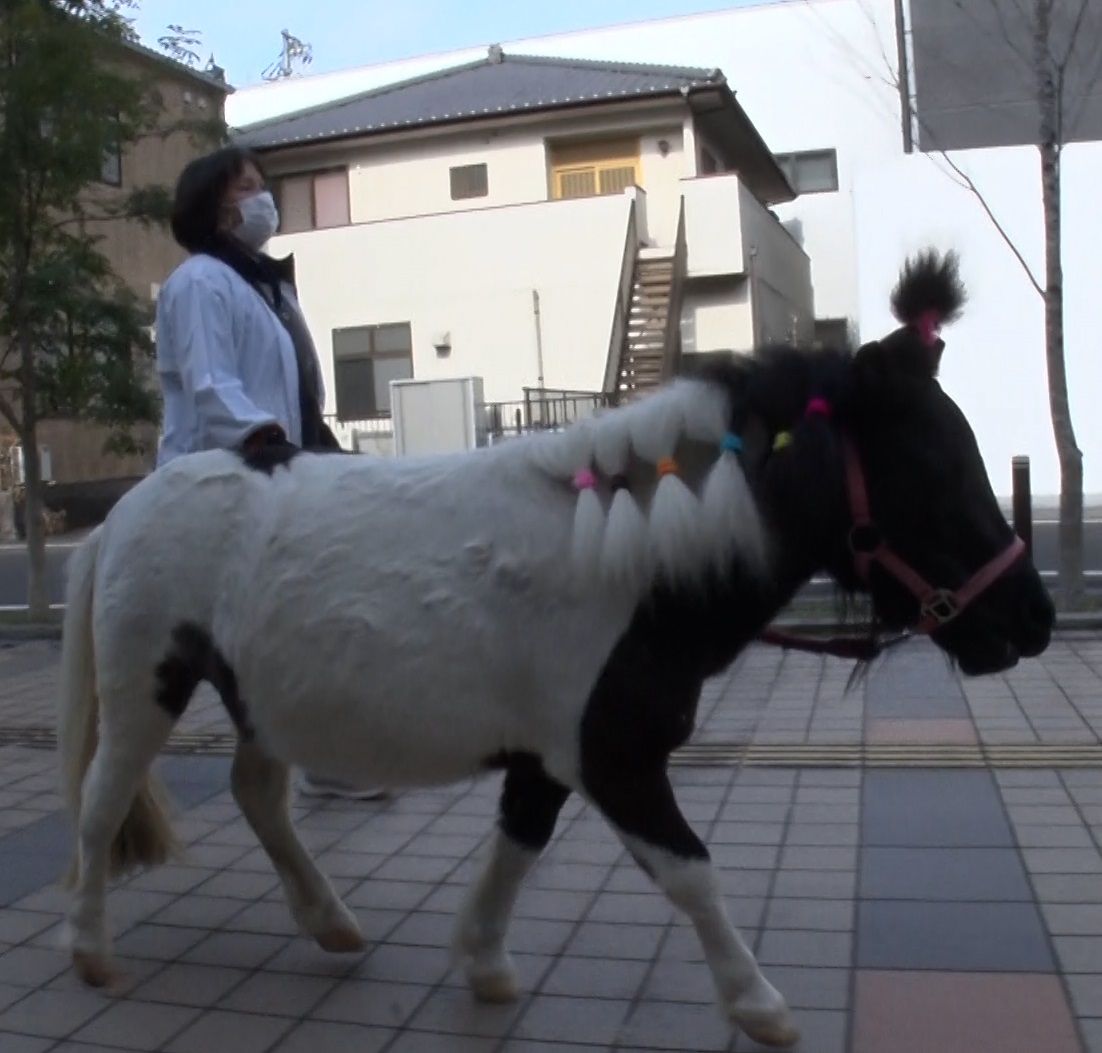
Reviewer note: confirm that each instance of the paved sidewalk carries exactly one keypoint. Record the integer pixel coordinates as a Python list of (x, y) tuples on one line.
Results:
[(917, 863)]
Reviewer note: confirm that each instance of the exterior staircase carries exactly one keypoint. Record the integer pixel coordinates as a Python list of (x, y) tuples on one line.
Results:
[(650, 321), (643, 361)]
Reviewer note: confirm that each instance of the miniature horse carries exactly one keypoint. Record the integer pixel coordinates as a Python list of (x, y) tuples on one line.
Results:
[(550, 606)]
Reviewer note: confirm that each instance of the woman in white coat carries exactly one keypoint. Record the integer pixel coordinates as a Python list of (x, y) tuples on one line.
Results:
[(236, 364)]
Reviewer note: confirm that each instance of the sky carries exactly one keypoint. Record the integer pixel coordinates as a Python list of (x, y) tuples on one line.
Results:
[(244, 35)]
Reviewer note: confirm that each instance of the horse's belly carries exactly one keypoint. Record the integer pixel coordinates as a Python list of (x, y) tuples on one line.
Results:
[(371, 749), (427, 695)]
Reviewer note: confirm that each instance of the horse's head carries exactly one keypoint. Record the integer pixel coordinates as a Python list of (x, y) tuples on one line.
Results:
[(914, 521)]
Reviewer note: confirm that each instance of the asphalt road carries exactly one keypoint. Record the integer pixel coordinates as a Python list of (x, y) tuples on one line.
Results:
[(13, 562)]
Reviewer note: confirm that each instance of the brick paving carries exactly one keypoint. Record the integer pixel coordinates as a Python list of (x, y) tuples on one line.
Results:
[(900, 908)]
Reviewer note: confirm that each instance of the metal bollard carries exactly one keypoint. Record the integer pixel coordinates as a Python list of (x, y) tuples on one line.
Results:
[(1023, 501)]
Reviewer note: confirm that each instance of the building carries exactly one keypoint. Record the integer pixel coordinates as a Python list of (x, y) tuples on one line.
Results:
[(549, 225), (821, 79), (86, 479)]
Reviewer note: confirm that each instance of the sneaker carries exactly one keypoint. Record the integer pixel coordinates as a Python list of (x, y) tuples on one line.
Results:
[(311, 785)]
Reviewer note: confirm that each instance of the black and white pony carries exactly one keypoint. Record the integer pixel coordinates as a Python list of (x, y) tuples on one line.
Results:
[(550, 606)]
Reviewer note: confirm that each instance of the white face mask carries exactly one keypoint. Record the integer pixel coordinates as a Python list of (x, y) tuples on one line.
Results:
[(259, 220)]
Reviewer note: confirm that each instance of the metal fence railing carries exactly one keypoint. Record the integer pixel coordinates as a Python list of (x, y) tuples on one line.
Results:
[(541, 409)]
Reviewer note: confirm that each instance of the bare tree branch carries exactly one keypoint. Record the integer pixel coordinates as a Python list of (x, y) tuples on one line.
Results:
[(971, 186)]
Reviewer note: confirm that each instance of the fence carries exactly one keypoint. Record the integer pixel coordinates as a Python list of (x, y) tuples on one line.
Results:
[(541, 409)]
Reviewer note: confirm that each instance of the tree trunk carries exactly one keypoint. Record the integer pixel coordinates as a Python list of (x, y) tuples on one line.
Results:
[(38, 600), (1071, 458)]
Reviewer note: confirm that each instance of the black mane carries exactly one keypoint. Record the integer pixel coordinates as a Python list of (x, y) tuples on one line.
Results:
[(929, 282)]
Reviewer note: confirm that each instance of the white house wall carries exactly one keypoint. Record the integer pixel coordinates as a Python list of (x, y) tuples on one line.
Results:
[(471, 275), (716, 316), (399, 181), (403, 179), (780, 275)]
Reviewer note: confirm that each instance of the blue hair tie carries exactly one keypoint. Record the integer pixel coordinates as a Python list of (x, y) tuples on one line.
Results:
[(731, 443)]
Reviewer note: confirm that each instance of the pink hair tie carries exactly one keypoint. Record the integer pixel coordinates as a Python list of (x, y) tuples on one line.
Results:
[(818, 407), (584, 479)]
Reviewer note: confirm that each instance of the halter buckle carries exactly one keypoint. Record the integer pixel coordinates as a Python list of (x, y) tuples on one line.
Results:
[(940, 607)]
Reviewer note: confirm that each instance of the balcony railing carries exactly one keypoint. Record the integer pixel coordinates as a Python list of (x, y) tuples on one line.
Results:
[(541, 409)]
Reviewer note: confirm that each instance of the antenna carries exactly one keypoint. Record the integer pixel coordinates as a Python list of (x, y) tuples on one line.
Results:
[(293, 50)]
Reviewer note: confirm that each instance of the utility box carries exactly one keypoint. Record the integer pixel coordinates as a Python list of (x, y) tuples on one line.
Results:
[(437, 416)]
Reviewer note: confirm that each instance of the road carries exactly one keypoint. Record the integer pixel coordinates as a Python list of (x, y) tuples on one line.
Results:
[(13, 561)]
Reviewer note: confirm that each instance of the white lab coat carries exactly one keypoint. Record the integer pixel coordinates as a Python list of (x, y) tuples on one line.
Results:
[(225, 361)]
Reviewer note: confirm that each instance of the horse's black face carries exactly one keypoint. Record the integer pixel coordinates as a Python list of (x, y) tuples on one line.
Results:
[(931, 499)]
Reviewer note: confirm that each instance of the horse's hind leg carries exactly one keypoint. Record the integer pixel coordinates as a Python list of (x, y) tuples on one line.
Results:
[(530, 804), (640, 804), (111, 788), (260, 787)]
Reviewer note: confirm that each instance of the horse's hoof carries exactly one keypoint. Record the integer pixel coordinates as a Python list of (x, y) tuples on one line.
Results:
[(341, 940), (777, 1034), (496, 987), (95, 970)]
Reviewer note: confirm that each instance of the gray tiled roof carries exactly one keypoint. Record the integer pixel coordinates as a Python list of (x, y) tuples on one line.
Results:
[(499, 84)]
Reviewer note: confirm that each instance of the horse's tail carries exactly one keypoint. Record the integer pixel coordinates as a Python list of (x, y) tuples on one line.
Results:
[(145, 837)]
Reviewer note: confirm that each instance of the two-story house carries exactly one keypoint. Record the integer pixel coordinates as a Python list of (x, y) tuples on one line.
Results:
[(548, 225)]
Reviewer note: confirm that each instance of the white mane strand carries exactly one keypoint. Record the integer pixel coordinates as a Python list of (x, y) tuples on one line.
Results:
[(666, 532)]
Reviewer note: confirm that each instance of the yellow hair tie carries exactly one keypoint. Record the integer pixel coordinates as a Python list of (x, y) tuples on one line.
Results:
[(783, 439), (667, 466)]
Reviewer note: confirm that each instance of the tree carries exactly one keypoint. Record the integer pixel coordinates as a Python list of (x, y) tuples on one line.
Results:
[(73, 340), (1048, 43), (1050, 68)]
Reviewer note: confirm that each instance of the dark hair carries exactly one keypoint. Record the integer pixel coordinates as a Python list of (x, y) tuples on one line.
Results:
[(199, 192)]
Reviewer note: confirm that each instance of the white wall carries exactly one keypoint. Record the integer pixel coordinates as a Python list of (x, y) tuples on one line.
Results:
[(401, 179), (780, 283), (716, 316), (713, 226), (472, 274), (662, 181), (412, 180)]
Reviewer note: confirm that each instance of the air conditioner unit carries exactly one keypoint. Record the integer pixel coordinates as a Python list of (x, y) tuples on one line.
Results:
[(437, 416)]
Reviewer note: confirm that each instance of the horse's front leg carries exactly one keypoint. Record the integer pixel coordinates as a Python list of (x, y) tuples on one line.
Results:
[(530, 804), (260, 787), (640, 804)]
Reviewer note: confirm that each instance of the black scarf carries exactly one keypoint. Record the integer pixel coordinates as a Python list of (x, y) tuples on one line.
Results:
[(266, 275)]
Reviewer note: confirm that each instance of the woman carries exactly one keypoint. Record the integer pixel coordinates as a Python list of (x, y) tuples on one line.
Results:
[(236, 364), (234, 356)]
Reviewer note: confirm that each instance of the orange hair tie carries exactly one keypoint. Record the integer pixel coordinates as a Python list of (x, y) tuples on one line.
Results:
[(667, 466)]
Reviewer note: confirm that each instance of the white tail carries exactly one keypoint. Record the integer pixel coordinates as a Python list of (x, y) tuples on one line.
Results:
[(145, 838)]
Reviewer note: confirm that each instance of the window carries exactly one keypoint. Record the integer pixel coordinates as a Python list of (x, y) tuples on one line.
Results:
[(111, 166), (592, 168), (366, 358), (313, 201), (811, 172), (469, 181)]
